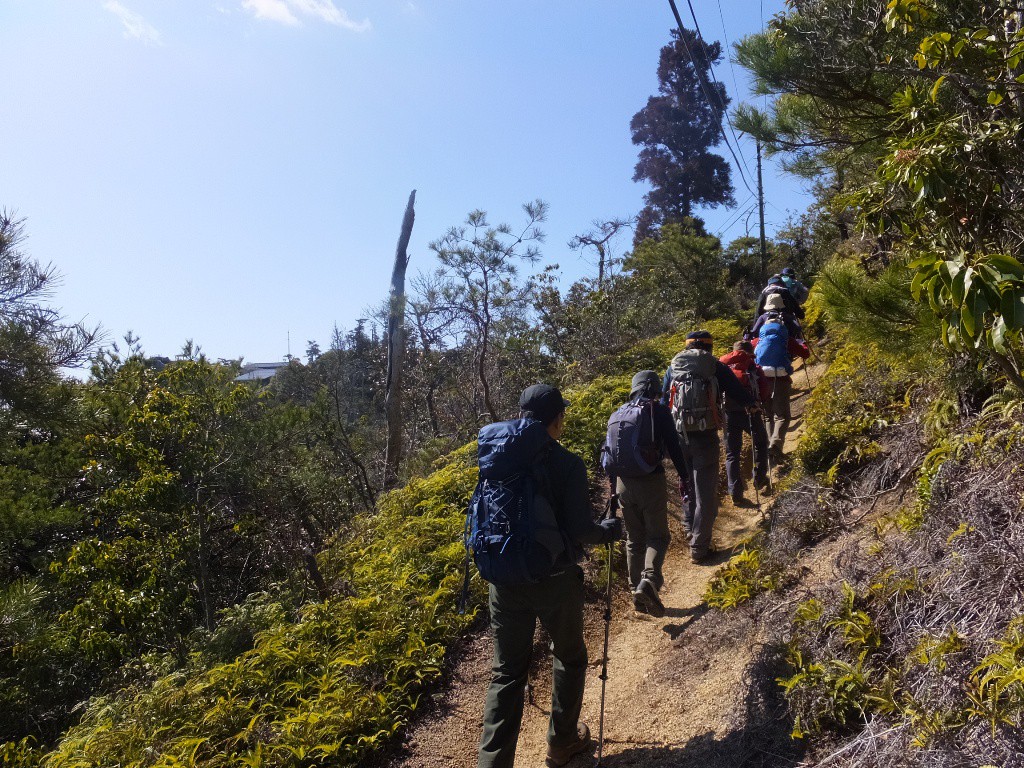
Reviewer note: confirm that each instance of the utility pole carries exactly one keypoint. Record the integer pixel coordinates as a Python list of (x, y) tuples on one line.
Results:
[(760, 206)]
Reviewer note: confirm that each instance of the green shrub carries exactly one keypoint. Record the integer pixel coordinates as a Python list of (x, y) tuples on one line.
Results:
[(329, 687), (742, 578), (995, 690), (861, 391), (20, 754), (834, 683)]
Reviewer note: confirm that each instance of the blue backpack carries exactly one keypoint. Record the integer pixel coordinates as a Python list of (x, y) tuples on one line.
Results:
[(630, 449), (511, 527), (772, 350)]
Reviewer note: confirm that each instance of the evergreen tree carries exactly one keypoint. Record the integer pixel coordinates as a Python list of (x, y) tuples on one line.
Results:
[(676, 131)]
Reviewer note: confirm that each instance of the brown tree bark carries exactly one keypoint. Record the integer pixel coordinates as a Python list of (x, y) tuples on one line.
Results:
[(396, 348)]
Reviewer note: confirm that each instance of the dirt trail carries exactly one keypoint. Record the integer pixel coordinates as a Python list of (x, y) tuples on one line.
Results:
[(670, 691)]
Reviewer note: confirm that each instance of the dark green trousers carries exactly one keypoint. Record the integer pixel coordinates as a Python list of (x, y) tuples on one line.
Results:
[(558, 603), (645, 514)]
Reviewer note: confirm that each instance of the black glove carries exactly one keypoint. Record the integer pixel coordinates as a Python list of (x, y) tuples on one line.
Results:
[(612, 527), (613, 503)]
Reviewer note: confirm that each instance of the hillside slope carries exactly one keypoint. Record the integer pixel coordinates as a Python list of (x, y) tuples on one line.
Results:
[(673, 691)]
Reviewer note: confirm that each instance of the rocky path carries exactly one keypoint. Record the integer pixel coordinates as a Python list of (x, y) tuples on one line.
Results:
[(671, 691)]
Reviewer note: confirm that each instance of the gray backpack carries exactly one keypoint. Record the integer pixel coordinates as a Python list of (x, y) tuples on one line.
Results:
[(694, 392)]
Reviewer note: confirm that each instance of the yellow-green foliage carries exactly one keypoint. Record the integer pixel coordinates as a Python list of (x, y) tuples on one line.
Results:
[(741, 579), (328, 688), (20, 754), (332, 686), (831, 691), (996, 687), (815, 314), (861, 391), (587, 417)]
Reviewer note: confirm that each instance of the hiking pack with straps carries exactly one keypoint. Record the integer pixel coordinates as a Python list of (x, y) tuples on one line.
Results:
[(772, 350), (747, 376), (511, 526), (796, 289), (630, 449), (694, 392)]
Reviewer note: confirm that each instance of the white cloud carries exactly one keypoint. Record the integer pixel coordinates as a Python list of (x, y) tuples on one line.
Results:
[(271, 10), (288, 12), (135, 27)]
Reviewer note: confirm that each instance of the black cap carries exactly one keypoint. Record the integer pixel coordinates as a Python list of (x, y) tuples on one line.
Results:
[(788, 271), (543, 401), (647, 382)]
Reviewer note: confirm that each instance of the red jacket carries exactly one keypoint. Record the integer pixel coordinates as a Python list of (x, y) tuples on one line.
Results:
[(745, 369)]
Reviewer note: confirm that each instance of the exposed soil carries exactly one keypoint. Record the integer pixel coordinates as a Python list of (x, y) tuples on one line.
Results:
[(677, 693)]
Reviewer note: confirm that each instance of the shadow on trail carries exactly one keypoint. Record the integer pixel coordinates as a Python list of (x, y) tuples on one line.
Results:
[(692, 615), (760, 740)]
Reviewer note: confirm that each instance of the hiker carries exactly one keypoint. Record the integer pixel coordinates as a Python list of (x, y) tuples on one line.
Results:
[(776, 285), (775, 306), (692, 387), (640, 433), (797, 289), (774, 350), (737, 421), (555, 593)]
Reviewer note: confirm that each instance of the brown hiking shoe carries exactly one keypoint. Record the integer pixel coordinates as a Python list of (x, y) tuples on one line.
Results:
[(559, 756)]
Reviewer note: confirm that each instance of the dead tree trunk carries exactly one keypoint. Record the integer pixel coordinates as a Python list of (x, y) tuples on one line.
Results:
[(396, 348)]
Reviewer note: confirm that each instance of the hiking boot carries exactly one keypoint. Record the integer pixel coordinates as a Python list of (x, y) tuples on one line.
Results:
[(646, 597), (761, 483), (639, 602), (559, 756), (739, 500), (775, 454), (697, 557)]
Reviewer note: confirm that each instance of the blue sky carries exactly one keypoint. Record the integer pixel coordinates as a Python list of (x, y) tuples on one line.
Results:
[(234, 170)]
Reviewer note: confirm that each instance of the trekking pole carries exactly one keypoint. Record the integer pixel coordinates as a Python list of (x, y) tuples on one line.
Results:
[(767, 453), (806, 374), (607, 632), (753, 465)]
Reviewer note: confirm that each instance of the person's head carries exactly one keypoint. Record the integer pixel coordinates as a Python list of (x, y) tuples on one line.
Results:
[(776, 280), (546, 404), (775, 302), (788, 272), (646, 384), (743, 346), (699, 340)]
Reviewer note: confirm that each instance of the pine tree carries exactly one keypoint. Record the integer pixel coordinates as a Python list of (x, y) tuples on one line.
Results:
[(676, 131)]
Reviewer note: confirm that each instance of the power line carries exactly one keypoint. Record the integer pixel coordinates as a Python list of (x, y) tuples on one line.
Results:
[(728, 47), (734, 220), (711, 71), (737, 215), (705, 89)]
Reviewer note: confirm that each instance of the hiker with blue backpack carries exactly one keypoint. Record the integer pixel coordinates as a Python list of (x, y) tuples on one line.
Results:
[(692, 389), (528, 520), (775, 347), (640, 434)]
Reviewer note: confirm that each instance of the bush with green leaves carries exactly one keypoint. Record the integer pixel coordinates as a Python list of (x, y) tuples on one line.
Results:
[(329, 687), (861, 392), (744, 577)]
